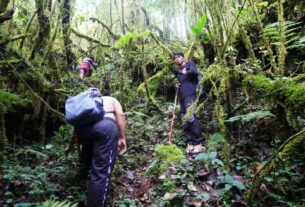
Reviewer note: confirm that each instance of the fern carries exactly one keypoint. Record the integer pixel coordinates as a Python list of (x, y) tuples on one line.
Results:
[(291, 33), (214, 141), (28, 151), (52, 203), (250, 116)]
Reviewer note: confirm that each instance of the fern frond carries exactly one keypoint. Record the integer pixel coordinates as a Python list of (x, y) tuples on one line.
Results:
[(52, 203)]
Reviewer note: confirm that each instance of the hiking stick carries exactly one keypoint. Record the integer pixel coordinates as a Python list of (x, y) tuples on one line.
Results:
[(170, 135)]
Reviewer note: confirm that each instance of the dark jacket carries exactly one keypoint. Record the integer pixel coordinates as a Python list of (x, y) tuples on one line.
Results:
[(188, 82)]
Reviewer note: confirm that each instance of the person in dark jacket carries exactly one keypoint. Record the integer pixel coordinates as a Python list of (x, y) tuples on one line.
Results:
[(100, 143), (187, 74)]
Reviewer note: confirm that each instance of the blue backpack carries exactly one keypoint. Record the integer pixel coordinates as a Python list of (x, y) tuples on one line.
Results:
[(85, 108)]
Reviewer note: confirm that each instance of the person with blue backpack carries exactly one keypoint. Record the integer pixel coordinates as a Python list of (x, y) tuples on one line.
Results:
[(188, 77), (100, 127)]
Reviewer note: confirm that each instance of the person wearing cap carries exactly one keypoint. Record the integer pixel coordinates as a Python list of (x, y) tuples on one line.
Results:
[(187, 74), (85, 68)]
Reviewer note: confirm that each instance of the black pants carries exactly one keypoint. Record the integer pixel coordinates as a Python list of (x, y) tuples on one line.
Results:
[(100, 143), (191, 127)]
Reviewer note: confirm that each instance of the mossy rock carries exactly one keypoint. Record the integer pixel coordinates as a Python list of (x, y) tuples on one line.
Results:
[(290, 90), (168, 154)]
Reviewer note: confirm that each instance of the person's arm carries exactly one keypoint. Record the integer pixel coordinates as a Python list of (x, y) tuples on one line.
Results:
[(120, 118), (191, 69), (94, 65)]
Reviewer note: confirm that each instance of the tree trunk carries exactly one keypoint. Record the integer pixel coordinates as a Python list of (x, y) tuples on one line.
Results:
[(27, 29), (66, 19), (6, 16), (110, 14), (123, 18), (3, 5), (44, 30)]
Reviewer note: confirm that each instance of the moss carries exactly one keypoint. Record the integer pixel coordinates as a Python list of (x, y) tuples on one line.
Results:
[(168, 154), (290, 90), (9, 100), (168, 186), (153, 83)]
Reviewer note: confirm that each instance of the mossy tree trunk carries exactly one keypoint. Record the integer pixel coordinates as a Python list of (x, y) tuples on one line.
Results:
[(27, 29), (246, 40), (3, 5), (44, 30), (66, 20), (266, 41), (274, 162), (281, 46)]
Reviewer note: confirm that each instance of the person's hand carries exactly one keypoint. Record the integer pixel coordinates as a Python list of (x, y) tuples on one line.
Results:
[(122, 146)]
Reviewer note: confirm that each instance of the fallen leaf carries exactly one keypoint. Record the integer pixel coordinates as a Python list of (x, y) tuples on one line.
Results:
[(130, 174), (144, 197), (169, 196), (191, 187), (162, 177)]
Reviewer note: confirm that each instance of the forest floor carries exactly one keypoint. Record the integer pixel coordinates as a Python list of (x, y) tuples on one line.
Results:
[(37, 172)]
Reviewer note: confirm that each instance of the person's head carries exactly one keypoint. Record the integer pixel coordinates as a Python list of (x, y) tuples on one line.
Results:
[(178, 58), (91, 57)]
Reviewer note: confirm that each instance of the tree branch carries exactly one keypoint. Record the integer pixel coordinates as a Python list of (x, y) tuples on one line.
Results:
[(6, 16), (11, 39), (160, 44), (90, 39), (278, 157), (114, 36)]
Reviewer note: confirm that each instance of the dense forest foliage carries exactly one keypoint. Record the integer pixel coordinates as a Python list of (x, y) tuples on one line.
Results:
[(251, 54)]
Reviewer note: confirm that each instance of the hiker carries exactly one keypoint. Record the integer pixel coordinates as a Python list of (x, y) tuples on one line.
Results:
[(187, 74), (85, 68), (100, 143)]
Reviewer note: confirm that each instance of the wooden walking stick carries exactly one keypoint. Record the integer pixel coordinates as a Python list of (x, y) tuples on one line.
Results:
[(170, 134)]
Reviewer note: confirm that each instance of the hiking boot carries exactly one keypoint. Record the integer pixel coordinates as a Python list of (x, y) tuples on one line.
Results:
[(197, 149), (189, 149)]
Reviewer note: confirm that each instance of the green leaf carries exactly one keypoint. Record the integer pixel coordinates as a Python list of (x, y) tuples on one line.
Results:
[(212, 155), (202, 156), (229, 180), (250, 116), (227, 187), (49, 146), (197, 28), (218, 162), (263, 4), (23, 205), (239, 185), (10, 201)]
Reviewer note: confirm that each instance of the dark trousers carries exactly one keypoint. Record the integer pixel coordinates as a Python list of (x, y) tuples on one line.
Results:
[(191, 126), (99, 150)]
